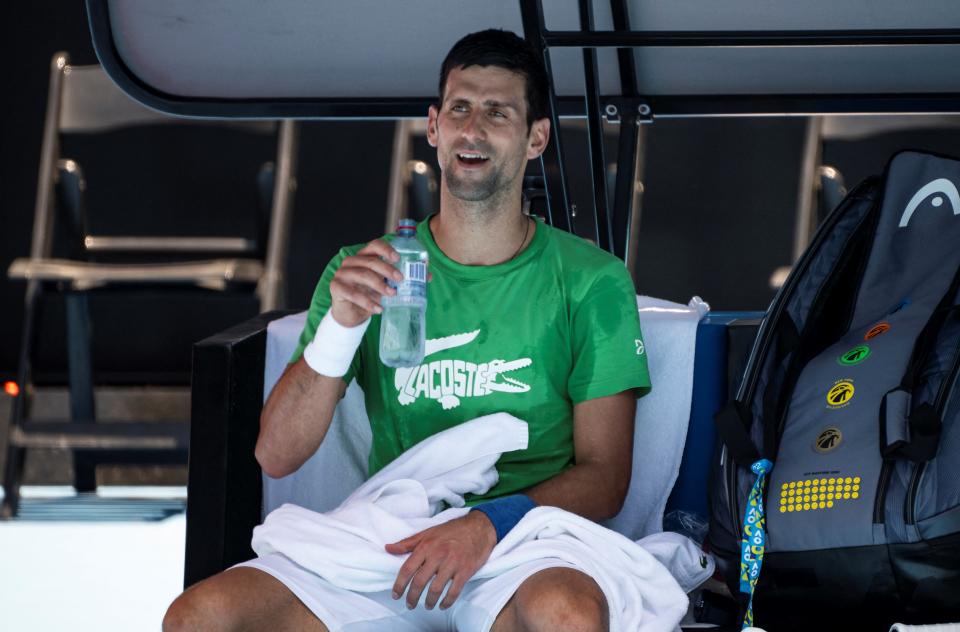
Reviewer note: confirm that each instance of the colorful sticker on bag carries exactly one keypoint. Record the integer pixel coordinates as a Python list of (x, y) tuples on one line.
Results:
[(840, 394), (855, 356), (818, 493), (876, 330)]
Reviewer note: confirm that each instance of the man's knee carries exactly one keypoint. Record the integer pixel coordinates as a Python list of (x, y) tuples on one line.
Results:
[(562, 599), (199, 608)]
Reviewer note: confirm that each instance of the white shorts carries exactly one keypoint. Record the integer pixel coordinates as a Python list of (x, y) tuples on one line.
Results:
[(343, 610)]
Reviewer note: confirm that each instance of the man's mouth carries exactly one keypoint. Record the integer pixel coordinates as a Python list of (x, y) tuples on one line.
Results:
[(471, 158)]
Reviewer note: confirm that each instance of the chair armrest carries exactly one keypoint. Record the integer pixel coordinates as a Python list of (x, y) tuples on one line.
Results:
[(224, 490)]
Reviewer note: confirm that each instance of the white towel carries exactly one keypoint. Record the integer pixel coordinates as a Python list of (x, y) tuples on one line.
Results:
[(346, 546), (660, 431), (936, 627)]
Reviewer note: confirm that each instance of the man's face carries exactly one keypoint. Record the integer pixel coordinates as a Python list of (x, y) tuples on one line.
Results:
[(480, 131)]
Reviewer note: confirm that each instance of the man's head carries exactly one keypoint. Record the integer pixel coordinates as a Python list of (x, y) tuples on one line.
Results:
[(491, 118), (502, 49)]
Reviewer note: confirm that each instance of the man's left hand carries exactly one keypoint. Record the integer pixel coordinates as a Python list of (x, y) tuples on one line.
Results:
[(453, 551)]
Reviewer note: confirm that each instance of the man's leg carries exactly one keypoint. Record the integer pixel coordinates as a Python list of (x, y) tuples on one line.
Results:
[(239, 599), (556, 600)]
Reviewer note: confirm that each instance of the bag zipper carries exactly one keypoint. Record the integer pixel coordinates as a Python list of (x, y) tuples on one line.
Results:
[(943, 397), (879, 501)]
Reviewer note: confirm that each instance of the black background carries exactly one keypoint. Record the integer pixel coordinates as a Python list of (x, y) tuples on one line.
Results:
[(717, 218)]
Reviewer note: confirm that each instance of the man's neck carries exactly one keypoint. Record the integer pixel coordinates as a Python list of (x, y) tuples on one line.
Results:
[(481, 233)]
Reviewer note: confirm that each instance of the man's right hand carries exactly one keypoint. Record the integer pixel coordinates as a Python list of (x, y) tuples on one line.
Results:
[(360, 281)]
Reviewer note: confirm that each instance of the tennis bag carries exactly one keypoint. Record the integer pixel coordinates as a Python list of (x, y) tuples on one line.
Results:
[(835, 489)]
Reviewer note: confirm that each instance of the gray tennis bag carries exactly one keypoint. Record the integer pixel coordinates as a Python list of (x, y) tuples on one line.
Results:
[(836, 488)]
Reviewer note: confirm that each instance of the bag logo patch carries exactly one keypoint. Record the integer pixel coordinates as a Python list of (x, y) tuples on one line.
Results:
[(941, 186), (876, 330), (828, 440), (820, 493), (840, 394), (855, 356)]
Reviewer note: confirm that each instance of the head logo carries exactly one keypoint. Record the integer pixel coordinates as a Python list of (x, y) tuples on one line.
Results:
[(876, 330), (855, 356), (828, 440), (941, 186), (841, 394)]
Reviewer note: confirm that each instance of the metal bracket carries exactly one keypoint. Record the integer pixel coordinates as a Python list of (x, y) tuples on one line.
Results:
[(611, 113)]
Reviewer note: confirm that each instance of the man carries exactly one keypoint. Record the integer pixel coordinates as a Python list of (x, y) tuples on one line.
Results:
[(525, 319)]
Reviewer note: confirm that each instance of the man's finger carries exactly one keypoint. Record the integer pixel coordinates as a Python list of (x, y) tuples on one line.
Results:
[(411, 566), (383, 268), (444, 575), (365, 278), (356, 295), (454, 592), (420, 580), (381, 248), (405, 545)]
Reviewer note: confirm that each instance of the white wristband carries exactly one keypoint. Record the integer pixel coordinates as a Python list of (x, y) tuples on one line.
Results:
[(333, 346)]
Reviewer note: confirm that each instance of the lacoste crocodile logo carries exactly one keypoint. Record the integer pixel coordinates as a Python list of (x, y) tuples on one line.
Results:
[(448, 381)]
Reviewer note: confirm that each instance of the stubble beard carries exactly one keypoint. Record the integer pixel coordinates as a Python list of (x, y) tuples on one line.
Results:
[(472, 189)]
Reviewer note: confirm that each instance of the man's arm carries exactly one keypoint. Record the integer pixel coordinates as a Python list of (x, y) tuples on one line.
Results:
[(596, 486), (296, 418), (298, 412)]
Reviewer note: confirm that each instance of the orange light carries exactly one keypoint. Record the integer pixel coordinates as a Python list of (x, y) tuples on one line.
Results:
[(11, 389)]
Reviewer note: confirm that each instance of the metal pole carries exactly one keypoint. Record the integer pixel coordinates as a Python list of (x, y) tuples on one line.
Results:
[(704, 39), (46, 181), (552, 161), (397, 191), (272, 285), (808, 186), (624, 192), (625, 61), (625, 210), (598, 164), (636, 203)]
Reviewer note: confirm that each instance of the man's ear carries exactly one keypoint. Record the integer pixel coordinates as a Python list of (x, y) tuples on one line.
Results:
[(539, 137), (432, 126)]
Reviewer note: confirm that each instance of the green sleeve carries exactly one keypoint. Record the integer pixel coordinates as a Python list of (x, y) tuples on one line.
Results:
[(608, 351), (318, 309)]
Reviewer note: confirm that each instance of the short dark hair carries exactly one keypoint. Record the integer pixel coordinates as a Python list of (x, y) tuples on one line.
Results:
[(502, 49)]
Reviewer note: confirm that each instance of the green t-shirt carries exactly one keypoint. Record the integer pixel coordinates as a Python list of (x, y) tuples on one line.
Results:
[(533, 336)]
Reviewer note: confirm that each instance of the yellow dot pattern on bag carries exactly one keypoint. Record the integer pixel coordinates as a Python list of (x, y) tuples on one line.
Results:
[(818, 493)]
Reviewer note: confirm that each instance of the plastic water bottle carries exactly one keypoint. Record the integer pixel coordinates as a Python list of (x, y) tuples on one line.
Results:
[(403, 322)]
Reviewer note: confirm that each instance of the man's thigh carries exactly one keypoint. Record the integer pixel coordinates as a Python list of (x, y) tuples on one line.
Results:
[(240, 599), (555, 599)]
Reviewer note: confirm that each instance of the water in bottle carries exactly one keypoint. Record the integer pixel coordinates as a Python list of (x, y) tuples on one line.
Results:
[(403, 321)]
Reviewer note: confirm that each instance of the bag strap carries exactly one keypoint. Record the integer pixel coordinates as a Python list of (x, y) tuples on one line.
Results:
[(923, 421), (732, 428)]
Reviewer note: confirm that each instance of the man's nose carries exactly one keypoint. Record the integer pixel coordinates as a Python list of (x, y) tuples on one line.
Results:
[(473, 128)]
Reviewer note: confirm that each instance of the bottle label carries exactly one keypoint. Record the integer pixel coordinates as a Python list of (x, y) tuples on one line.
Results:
[(415, 271)]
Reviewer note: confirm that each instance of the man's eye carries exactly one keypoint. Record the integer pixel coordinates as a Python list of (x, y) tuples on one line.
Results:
[(459, 108), (497, 114)]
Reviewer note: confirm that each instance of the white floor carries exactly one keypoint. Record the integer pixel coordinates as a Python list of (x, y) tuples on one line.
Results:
[(82, 576)]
